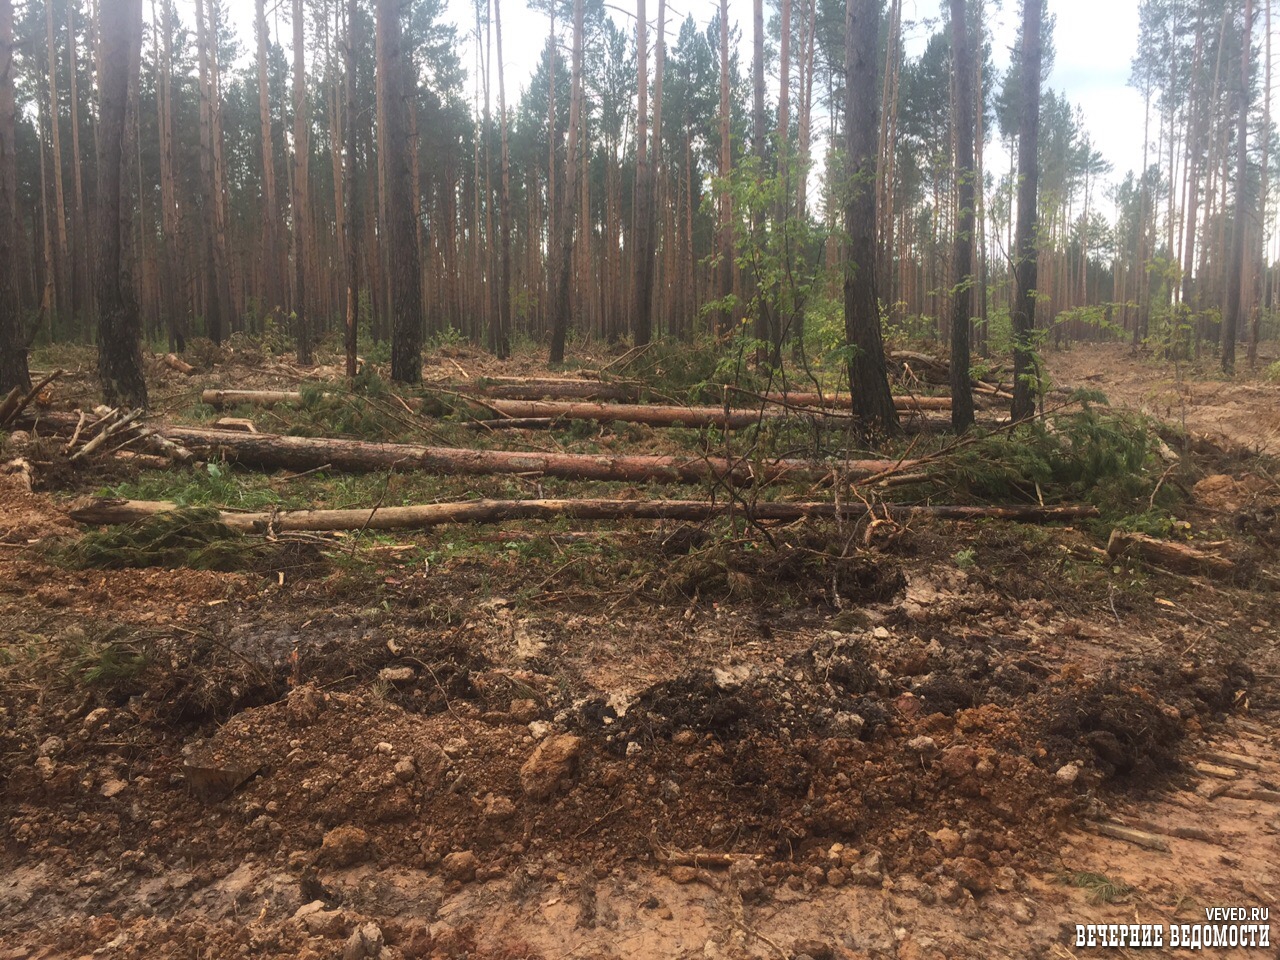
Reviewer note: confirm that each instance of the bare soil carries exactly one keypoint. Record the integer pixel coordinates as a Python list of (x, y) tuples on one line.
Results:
[(507, 753)]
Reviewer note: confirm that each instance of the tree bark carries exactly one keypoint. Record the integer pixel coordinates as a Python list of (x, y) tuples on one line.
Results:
[(869, 383), (103, 511), (406, 285), (962, 253), (352, 190), (642, 211), (13, 340), (301, 194), (562, 299), (1026, 249), (119, 323), (724, 266), (270, 209), (504, 278), (1237, 276)]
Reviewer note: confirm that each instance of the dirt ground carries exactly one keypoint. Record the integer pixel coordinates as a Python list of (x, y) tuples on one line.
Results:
[(921, 749)]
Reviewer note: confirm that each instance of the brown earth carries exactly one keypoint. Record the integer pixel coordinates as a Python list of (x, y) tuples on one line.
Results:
[(496, 755)]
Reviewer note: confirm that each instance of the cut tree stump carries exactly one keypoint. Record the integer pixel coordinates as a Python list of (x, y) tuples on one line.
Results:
[(109, 511), (1178, 557)]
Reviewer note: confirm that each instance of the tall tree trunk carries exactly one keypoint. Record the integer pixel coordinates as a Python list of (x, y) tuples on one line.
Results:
[(301, 193), (1025, 249), (62, 246), (13, 340), (504, 278), (642, 209), (119, 323), (213, 305), (1237, 276), (352, 190), (402, 236), (80, 228), (561, 301), (962, 255), (869, 382), (724, 266), (270, 209), (1264, 198)]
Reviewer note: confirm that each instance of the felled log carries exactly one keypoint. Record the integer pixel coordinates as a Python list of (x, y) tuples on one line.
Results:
[(654, 415), (108, 511), (175, 362), (272, 451), (1178, 557)]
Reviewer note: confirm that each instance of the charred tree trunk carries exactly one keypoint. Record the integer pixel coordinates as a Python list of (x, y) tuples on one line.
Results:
[(868, 379), (119, 323)]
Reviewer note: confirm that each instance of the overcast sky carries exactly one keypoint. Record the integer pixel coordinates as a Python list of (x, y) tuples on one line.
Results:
[(1095, 42)]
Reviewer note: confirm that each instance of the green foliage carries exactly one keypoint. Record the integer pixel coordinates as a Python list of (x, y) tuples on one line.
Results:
[(364, 413), (215, 485), (1104, 458), (966, 559), (193, 537), (109, 662), (1272, 373)]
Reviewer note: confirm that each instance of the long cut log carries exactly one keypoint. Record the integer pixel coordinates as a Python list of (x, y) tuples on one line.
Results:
[(108, 511), (654, 415), (1177, 557), (272, 451)]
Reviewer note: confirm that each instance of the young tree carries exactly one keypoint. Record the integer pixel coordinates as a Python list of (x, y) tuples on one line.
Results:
[(1025, 244), (119, 322), (402, 236), (13, 341), (962, 254), (868, 379)]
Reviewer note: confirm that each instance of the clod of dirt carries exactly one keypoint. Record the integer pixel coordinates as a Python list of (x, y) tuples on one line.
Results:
[(553, 761), (460, 866), (345, 846)]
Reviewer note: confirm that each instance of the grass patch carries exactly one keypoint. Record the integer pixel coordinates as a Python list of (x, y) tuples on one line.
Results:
[(1098, 888)]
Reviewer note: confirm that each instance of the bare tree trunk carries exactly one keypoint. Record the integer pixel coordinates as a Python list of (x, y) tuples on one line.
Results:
[(1236, 276), (869, 382), (724, 270), (504, 280), (119, 324), (301, 193), (62, 247), (642, 209), (352, 190), (13, 340), (1264, 199), (214, 307), (406, 283), (962, 256), (80, 227), (1026, 252), (270, 209), (561, 301)]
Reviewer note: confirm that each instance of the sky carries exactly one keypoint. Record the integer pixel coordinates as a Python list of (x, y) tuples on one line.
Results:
[(1095, 41)]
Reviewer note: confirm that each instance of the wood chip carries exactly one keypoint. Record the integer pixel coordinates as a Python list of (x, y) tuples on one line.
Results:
[(1118, 831), (1213, 770)]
